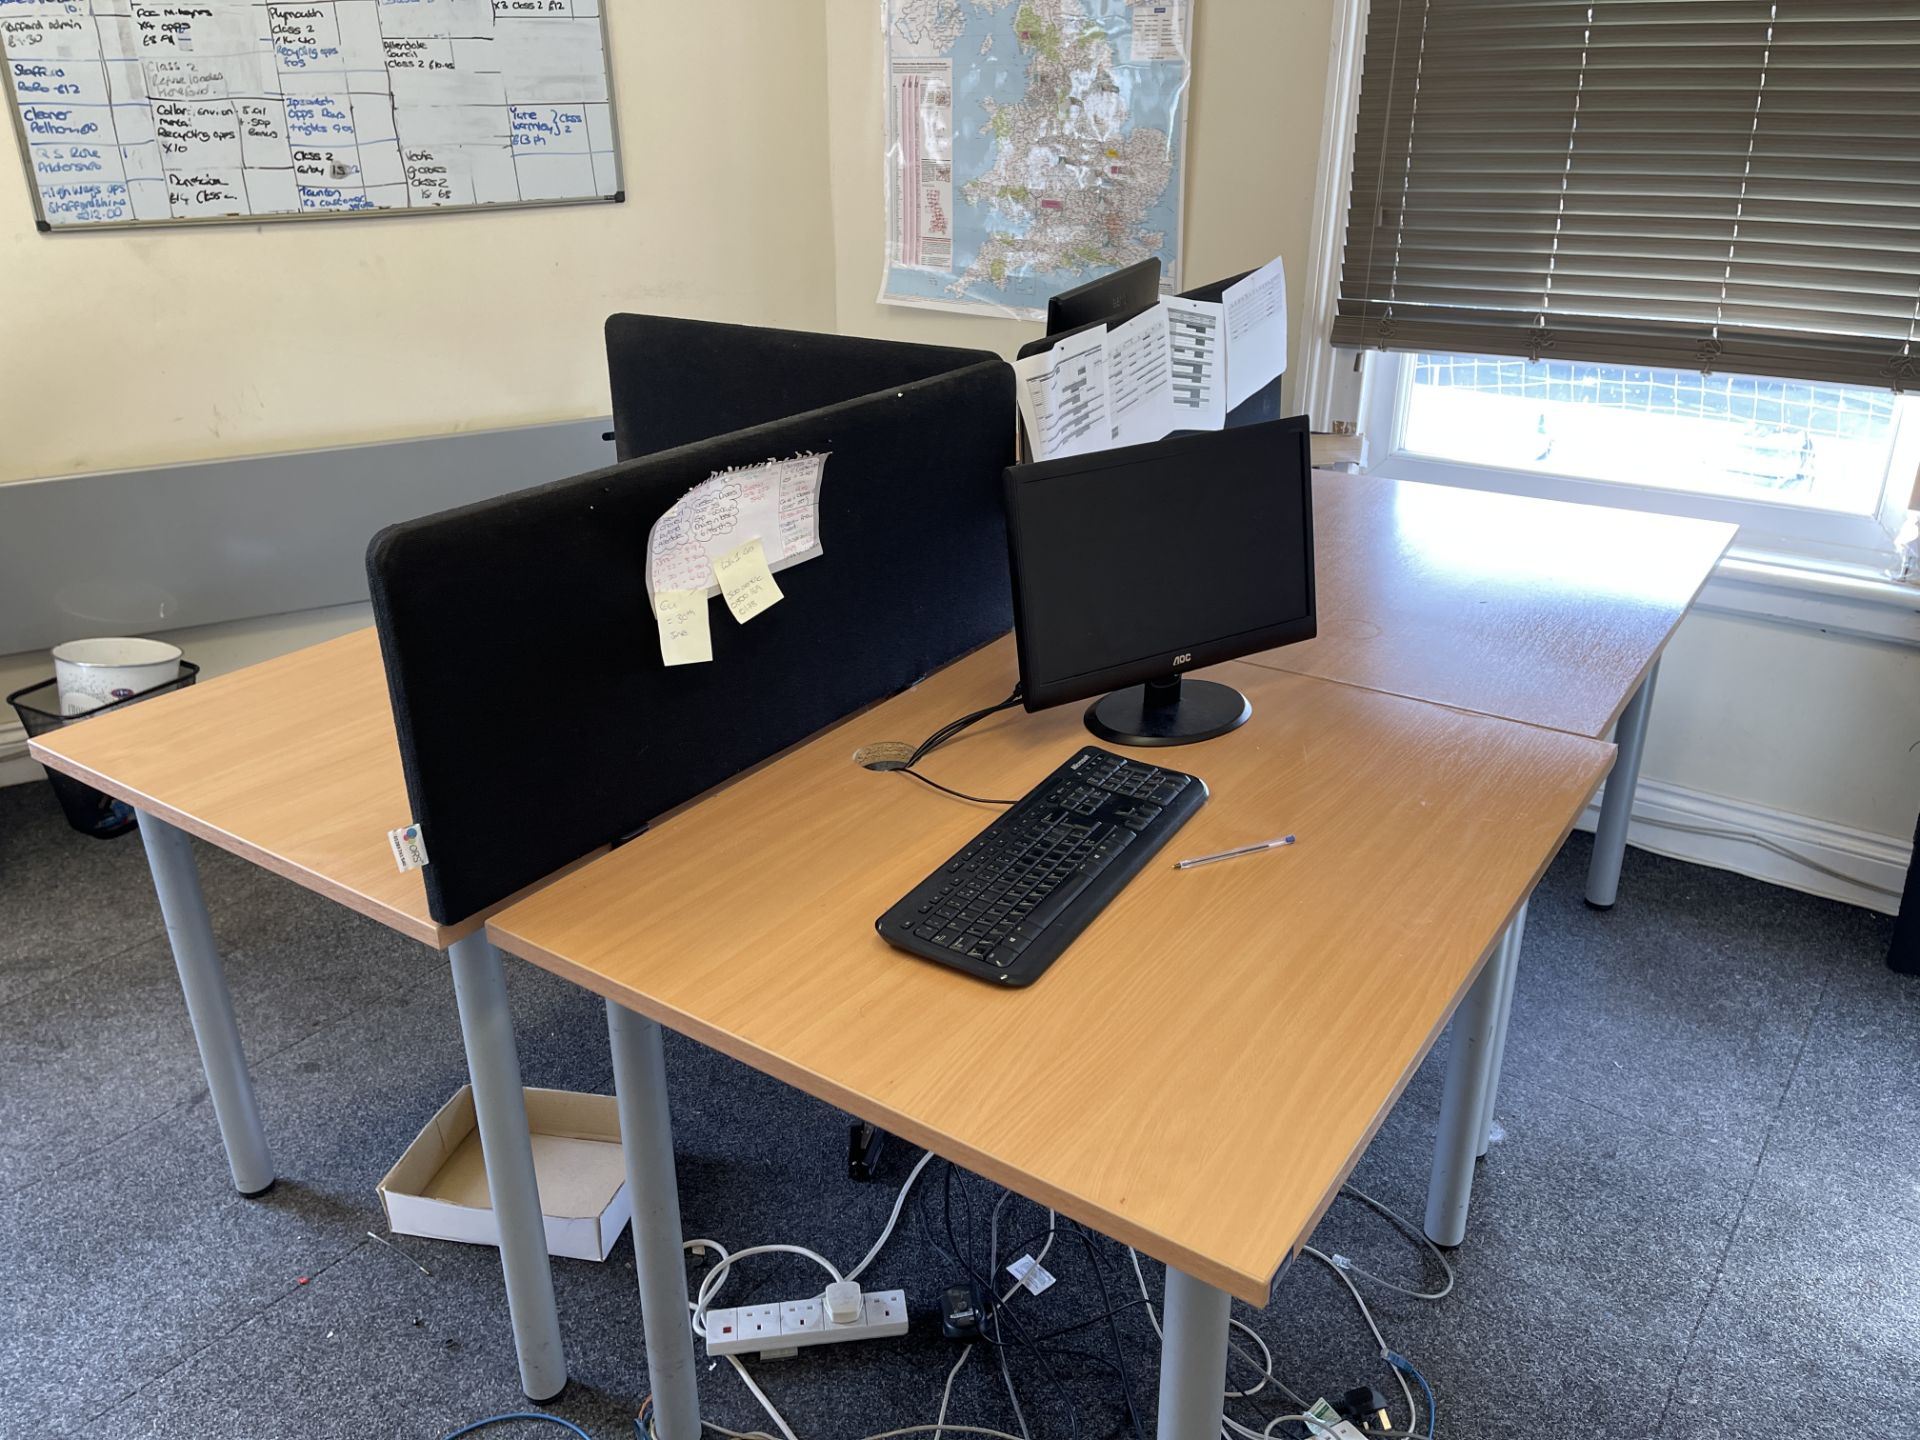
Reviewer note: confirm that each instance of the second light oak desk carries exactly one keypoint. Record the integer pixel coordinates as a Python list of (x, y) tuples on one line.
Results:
[(294, 765), (1195, 1077), (1540, 611)]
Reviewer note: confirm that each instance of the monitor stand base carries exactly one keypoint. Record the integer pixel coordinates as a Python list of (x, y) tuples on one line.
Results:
[(1168, 712)]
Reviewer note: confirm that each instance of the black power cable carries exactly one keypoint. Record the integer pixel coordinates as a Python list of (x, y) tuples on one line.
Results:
[(1041, 1346), (940, 737), (953, 727)]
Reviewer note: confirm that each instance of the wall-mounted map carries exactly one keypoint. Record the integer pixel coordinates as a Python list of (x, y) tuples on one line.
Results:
[(145, 111), (1031, 145)]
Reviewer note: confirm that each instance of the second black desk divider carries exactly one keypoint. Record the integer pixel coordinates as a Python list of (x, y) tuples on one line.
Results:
[(536, 720), (677, 381)]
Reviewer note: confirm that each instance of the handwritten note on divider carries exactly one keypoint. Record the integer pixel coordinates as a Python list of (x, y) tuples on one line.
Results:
[(778, 500), (685, 638), (745, 580)]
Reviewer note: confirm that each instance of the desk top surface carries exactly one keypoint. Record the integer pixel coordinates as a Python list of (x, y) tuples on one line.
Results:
[(291, 763), (1534, 610), (1201, 1070)]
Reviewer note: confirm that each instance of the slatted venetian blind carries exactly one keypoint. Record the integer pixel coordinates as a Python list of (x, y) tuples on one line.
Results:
[(1727, 185)]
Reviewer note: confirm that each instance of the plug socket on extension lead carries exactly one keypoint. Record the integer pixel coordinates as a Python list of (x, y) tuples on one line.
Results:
[(799, 1317)]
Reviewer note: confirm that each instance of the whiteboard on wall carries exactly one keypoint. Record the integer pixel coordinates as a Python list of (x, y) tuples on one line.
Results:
[(163, 112)]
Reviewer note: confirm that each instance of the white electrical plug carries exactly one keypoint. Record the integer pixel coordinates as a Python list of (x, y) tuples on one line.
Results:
[(843, 1302)]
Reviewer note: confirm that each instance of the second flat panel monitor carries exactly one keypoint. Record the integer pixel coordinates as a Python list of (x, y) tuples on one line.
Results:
[(1107, 301)]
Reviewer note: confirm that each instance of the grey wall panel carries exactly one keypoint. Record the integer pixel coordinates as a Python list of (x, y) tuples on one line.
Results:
[(129, 551)]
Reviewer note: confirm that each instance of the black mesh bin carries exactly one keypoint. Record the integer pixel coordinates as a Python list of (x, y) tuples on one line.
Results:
[(87, 810)]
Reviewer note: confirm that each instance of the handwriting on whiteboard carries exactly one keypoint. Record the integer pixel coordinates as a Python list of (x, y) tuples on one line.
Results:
[(155, 110)]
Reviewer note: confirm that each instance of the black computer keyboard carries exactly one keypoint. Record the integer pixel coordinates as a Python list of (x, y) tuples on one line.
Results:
[(1005, 907)]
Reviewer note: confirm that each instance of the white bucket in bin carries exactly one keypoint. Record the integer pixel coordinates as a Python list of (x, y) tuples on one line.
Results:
[(92, 673)]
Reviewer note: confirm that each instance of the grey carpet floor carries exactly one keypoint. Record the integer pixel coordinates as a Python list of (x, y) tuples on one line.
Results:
[(1703, 1218)]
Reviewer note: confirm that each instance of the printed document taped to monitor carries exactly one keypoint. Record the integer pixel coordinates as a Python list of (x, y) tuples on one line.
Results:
[(1140, 377), (777, 503), (1062, 394), (1256, 315)]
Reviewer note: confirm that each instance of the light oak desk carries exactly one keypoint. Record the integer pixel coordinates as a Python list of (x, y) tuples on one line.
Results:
[(294, 765), (1539, 611), (1195, 1077)]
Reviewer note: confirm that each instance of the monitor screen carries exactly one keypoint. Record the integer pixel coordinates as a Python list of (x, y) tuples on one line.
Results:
[(1140, 563), (1108, 300)]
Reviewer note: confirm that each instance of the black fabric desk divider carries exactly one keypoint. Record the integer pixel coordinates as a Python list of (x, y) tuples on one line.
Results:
[(677, 381), (536, 720)]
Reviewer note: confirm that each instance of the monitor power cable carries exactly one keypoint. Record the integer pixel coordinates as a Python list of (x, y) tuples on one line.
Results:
[(940, 737), (953, 727)]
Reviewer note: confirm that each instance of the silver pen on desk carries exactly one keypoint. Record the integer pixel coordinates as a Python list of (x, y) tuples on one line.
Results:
[(1233, 854)]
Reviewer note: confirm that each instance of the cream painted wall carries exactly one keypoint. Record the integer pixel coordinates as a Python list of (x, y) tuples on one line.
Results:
[(144, 347), (1252, 154), (1790, 719)]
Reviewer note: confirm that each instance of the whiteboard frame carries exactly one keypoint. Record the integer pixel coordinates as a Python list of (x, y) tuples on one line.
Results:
[(384, 212)]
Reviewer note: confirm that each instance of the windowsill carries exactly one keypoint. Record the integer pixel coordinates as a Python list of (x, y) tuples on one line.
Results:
[(1835, 599)]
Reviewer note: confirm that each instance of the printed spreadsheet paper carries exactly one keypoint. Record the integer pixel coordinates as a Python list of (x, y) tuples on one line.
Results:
[(145, 111)]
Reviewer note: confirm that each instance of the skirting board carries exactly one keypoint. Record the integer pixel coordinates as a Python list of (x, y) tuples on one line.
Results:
[(1834, 861), (15, 767)]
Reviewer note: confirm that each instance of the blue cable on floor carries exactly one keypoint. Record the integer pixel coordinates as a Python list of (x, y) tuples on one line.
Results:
[(1399, 1362), (532, 1415)]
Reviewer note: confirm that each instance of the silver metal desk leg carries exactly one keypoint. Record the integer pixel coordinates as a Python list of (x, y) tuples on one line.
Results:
[(500, 1107), (646, 1135), (1509, 977), (1462, 1106), (1193, 1359), (1616, 800), (176, 880)]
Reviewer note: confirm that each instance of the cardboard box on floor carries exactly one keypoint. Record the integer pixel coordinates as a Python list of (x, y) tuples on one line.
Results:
[(438, 1188)]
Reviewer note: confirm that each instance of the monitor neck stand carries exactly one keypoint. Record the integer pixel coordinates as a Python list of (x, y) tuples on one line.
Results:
[(1168, 711)]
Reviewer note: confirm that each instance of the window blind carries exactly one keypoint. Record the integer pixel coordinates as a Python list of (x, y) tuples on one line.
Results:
[(1724, 185)]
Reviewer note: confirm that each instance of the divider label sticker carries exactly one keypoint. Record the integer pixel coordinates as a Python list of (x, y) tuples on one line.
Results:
[(409, 847)]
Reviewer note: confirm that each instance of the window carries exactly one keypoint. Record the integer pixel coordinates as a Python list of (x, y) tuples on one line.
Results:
[(1643, 252), (1825, 447), (1816, 470)]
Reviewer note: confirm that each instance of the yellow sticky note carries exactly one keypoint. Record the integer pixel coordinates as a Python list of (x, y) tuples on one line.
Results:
[(684, 636), (746, 582)]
